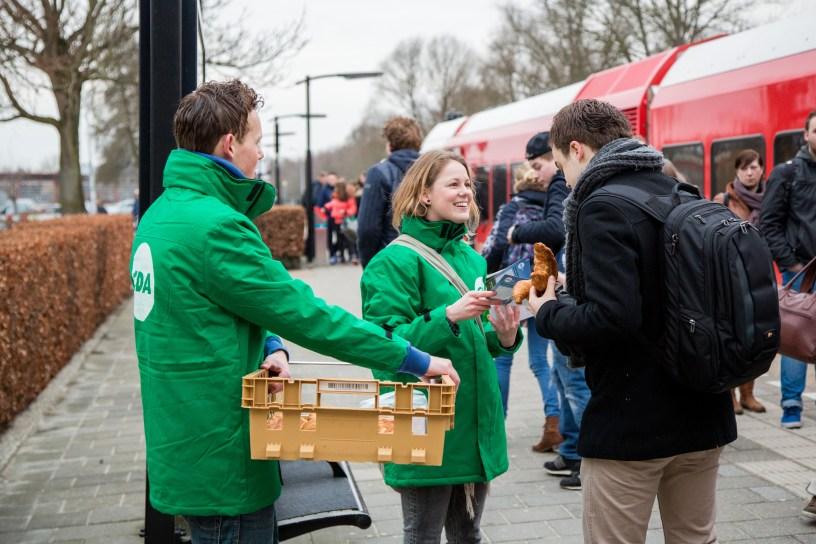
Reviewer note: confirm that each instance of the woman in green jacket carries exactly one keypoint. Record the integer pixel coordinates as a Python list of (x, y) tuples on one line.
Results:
[(404, 293)]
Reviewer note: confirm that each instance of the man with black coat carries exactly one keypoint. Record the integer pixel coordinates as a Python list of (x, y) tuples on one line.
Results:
[(403, 137), (788, 222), (643, 434)]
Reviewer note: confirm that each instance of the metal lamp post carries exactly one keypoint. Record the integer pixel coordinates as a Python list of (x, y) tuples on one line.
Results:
[(310, 242), (278, 134)]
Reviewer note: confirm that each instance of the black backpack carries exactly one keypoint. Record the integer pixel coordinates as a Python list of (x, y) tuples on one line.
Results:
[(721, 307)]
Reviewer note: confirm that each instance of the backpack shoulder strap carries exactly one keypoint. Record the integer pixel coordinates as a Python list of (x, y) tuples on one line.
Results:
[(657, 206), (647, 202), (438, 262)]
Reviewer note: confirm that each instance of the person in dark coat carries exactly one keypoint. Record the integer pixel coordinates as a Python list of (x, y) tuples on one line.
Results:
[(643, 434), (374, 230), (787, 220), (529, 204), (551, 230)]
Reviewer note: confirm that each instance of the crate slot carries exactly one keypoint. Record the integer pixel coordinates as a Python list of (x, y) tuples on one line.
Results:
[(307, 451), (384, 454), (273, 450), (418, 456)]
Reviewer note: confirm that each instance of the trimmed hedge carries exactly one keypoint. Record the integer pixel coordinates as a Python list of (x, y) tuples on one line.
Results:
[(59, 280), (282, 229)]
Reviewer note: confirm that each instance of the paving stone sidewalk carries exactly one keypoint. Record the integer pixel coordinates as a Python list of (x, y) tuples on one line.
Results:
[(73, 469)]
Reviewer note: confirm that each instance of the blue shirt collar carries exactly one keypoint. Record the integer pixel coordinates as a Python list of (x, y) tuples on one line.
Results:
[(228, 166)]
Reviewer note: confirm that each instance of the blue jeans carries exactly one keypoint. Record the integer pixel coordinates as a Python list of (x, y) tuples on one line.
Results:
[(259, 527), (793, 372), (537, 347), (574, 392)]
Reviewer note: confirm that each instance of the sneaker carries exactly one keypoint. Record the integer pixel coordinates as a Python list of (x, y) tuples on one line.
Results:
[(791, 417), (332, 261), (571, 482), (809, 511), (562, 467)]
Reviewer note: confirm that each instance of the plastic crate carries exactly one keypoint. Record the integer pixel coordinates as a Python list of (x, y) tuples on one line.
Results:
[(321, 419)]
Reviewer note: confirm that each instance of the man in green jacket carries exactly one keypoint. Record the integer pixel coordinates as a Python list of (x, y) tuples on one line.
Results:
[(206, 293)]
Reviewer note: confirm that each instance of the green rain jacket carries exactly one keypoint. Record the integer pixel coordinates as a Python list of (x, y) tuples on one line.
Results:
[(404, 294), (206, 290)]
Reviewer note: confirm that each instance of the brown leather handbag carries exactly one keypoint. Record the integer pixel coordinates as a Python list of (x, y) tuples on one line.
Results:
[(797, 312)]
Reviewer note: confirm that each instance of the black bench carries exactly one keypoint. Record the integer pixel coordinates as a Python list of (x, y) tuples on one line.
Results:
[(317, 495)]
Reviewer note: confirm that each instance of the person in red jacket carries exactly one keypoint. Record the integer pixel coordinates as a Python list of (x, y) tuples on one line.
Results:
[(341, 207)]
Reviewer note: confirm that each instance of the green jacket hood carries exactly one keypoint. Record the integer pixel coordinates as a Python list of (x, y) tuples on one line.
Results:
[(188, 170), (434, 234)]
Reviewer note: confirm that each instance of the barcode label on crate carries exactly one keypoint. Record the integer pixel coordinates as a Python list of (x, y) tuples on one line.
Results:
[(348, 387)]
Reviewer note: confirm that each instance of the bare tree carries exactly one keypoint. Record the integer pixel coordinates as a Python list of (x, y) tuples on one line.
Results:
[(232, 50), (655, 25), (225, 50), (557, 42), (115, 110), (402, 75), (55, 47), (428, 79)]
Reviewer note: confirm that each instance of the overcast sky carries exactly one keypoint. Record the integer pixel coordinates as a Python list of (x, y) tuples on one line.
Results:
[(347, 35)]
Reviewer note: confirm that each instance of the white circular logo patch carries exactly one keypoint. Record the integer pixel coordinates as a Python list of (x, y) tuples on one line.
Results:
[(141, 276)]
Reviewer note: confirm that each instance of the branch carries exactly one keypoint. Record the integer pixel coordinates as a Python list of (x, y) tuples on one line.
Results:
[(25, 17), (21, 111)]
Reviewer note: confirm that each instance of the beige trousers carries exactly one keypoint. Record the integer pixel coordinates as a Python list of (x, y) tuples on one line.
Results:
[(618, 498)]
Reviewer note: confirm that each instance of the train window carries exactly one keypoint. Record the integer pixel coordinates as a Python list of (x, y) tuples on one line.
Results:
[(480, 180), (688, 160), (499, 187), (723, 154), (787, 144)]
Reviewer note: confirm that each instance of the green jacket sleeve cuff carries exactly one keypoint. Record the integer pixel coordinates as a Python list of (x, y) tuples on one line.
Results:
[(495, 347)]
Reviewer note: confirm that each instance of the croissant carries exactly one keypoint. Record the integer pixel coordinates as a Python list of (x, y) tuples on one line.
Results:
[(544, 266)]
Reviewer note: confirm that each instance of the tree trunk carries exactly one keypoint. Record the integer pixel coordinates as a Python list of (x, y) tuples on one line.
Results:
[(70, 175)]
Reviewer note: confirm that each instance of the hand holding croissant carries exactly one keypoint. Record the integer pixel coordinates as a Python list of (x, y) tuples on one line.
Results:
[(544, 266)]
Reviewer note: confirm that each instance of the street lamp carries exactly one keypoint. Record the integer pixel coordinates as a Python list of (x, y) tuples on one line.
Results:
[(278, 134), (310, 242)]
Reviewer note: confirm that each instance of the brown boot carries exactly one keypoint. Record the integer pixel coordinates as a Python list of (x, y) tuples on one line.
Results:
[(551, 436), (747, 398), (735, 402)]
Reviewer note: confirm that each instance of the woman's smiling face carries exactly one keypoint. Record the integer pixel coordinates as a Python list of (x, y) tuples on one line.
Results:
[(451, 195)]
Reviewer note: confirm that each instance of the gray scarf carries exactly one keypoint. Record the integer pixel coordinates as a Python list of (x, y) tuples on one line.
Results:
[(752, 199), (615, 157)]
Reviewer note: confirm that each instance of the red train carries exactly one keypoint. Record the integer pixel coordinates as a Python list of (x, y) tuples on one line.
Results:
[(699, 103)]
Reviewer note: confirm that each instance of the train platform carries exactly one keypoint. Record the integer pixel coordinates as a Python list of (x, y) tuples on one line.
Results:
[(72, 468)]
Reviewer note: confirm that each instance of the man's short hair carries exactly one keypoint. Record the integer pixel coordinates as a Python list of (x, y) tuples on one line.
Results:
[(402, 133), (589, 121), (810, 116), (214, 109), (745, 157)]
